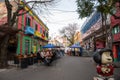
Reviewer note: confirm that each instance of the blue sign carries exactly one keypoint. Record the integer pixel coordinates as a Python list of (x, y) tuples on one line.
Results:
[(29, 30)]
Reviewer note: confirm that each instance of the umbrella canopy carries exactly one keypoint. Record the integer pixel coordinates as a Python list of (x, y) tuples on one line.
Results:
[(49, 46), (75, 46)]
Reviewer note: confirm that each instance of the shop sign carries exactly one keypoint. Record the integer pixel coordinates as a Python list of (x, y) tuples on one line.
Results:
[(29, 30), (38, 34), (117, 37)]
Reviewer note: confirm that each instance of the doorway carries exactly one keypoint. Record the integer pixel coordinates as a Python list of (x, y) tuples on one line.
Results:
[(118, 51), (12, 47)]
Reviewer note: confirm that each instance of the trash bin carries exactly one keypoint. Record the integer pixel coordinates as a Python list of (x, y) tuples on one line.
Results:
[(30, 60), (16, 60), (35, 59), (24, 62)]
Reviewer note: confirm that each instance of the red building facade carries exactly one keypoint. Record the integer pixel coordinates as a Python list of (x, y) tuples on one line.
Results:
[(34, 33), (115, 24)]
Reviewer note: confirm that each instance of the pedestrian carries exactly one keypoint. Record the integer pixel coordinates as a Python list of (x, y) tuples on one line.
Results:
[(42, 55), (48, 57), (38, 57)]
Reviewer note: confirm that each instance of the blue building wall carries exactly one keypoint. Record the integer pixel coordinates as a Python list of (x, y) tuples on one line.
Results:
[(95, 17)]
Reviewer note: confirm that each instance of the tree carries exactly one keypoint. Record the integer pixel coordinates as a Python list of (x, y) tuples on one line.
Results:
[(86, 7), (69, 32), (8, 29)]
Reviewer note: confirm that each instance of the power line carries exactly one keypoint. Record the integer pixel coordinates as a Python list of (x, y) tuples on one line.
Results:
[(61, 10)]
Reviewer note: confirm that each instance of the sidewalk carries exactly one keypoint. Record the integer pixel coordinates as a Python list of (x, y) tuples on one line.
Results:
[(117, 71), (11, 66), (1, 70)]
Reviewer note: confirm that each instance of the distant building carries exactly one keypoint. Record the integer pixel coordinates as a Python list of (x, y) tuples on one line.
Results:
[(92, 24), (94, 34), (59, 41), (77, 37), (65, 42)]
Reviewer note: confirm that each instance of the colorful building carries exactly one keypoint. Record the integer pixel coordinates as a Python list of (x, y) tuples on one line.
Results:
[(115, 25), (77, 38), (34, 32), (89, 29), (94, 34)]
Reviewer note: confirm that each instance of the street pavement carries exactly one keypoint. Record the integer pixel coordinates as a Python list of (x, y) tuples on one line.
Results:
[(65, 68)]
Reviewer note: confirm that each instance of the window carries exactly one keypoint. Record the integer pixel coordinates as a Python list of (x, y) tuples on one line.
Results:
[(36, 27), (28, 21), (40, 29), (116, 29), (46, 34)]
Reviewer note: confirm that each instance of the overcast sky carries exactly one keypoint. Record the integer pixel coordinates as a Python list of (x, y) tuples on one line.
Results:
[(61, 15)]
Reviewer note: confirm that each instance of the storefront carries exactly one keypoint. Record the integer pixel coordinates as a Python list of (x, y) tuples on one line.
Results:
[(25, 41), (12, 47)]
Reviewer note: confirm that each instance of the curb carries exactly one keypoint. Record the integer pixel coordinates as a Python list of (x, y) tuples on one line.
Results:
[(1, 70)]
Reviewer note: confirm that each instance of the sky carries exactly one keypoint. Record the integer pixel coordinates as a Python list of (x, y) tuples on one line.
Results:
[(61, 15)]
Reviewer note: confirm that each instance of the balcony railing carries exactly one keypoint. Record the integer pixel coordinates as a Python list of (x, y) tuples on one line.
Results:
[(29, 30)]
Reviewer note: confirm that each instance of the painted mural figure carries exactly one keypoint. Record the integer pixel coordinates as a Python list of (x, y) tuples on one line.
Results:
[(104, 67)]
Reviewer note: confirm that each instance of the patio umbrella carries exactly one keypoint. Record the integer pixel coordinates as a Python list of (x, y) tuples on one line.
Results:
[(76, 46), (49, 46)]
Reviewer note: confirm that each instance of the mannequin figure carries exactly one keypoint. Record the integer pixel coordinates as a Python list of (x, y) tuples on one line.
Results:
[(104, 61)]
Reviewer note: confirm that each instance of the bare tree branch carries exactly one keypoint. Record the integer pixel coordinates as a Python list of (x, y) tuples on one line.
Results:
[(69, 32), (9, 11), (26, 11), (41, 1)]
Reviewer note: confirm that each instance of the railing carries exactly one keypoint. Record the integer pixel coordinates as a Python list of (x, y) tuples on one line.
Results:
[(29, 30)]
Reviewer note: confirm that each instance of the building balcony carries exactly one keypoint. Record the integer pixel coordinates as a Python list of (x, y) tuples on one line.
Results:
[(38, 34), (116, 37), (29, 30)]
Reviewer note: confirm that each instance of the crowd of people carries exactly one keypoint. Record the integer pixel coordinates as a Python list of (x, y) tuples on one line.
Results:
[(73, 52), (49, 55), (46, 56)]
